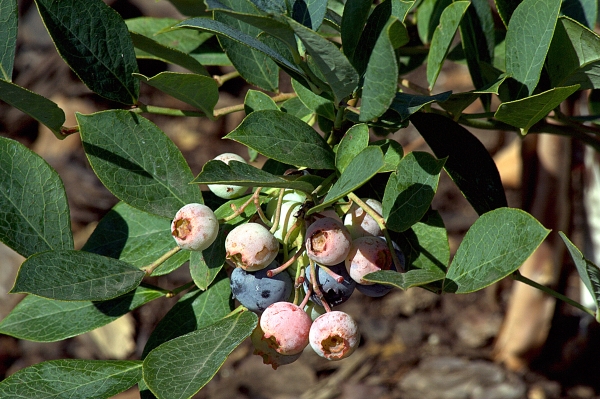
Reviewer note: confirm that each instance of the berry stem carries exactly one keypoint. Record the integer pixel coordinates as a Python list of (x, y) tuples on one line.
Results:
[(277, 211), (315, 286), (261, 214), (287, 264), (152, 266), (336, 276), (221, 79)]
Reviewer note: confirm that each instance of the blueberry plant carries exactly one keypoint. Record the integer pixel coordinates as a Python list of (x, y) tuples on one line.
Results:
[(337, 207)]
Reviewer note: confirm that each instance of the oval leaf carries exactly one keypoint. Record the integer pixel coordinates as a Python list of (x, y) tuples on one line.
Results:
[(284, 138), (354, 141), (354, 18), (72, 378), (93, 39), (495, 246), (205, 265), (179, 368), (76, 276), (137, 162), (47, 320), (8, 38), (257, 101), (32, 202)]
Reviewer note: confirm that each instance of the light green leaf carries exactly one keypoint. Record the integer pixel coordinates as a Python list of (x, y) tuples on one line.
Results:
[(39, 108), (412, 278), (76, 276), (47, 320), (426, 245), (407, 104), (179, 368), (314, 102), (392, 154), (354, 141), (258, 101), (93, 39), (135, 237), (528, 111), (72, 378), (137, 162), (410, 190), (284, 138), (442, 39), (200, 91), (587, 270), (8, 37), (495, 246), (574, 56), (528, 38), (33, 204)]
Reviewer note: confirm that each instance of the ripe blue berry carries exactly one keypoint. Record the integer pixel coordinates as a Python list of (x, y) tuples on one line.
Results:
[(256, 291), (334, 292)]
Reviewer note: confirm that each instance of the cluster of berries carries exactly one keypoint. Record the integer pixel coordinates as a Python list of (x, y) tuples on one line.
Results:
[(331, 261)]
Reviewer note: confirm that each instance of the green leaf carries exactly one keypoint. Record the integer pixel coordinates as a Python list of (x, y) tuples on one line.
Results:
[(428, 17), (284, 138), (354, 17), (410, 190), (159, 30), (195, 310), (587, 270), (335, 67), (135, 237), (189, 7), (407, 104), (39, 108), (295, 107), (70, 275), (359, 171), (93, 39), (137, 162), (314, 102), (354, 141), (206, 265), (47, 320), (72, 378), (309, 13), (200, 91), (425, 244), (495, 246), (412, 278), (392, 154), (8, 37), (381, 76), (33, 202), (527, 41), (574, 56), (258, 101), (528, 111), (583, 11), (456, 103), (442, 39), (181, 367), (506, 8), (480, 185)]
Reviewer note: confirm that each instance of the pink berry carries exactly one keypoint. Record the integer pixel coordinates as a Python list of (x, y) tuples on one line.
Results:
[(361, 224), (367, 255), (334, 335), (327, 241), (285, 327), (251, 246), (268, 354), (195, 227)]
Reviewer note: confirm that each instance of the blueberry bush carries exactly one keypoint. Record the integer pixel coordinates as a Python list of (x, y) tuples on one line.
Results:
[(330, 164)]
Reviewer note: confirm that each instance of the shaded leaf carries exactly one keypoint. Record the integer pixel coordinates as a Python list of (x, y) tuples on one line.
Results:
[(206, 265), (354, 17), (428, 17), (32, 202), (189, 7), (392, 154), (354, 141), (583, 11), (407, 104), (587, 270), (314, 102), (495, 246), (258, 101), (425, 244), (137, 162), (506, 8), (76, 276), (295, 107), (8, 37), (159, 30), (309, 13)]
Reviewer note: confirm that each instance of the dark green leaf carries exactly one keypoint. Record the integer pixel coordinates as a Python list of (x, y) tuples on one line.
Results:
[(159, 30), (456, 103), (284, 138), (47, 320), (258, 101), (407, 104), (353, 21), (392, 154), (72, 378), (189, 7), (428, 17), (506, 8), (206, 265), (39, 108), (442, 39), (137, 162), (195, 310), (294, 106), (93, 39), (583, 11), (410, 190), (179, 368), (495, 246), (527, 41), (469, 164), (354, 141), (425, 244), (33, 202), (8, 37), (574, 56), (76, 276), (200, 91), (309, 13), (528, 111), (412, 278), (135, 237), (317, 104), (587, 270)]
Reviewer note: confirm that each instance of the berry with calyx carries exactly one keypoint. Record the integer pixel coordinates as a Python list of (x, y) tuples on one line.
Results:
[(334, 335), (228, 191), (327, 241), (268, 354), (256, 291), (367, 255), (195, 227), (251, 246), (285, 327), (335, 292), (361, 224)]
